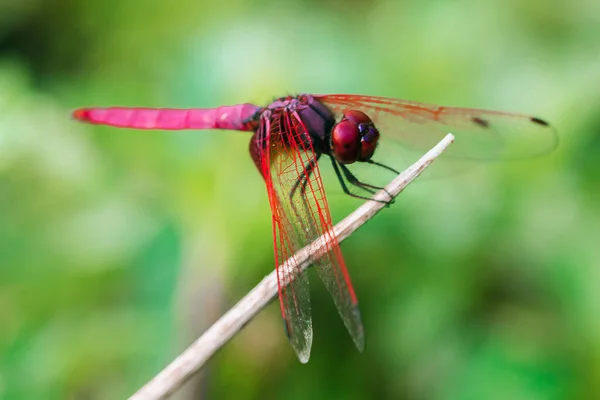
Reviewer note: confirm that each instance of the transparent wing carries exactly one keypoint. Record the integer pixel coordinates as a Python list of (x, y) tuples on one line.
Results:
[(294, 290), (480, 134), (269, 153), (303, 215)]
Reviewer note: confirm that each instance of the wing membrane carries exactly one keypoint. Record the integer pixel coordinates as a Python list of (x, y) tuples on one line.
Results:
[(293, 287), (301, 215), (480, 134)]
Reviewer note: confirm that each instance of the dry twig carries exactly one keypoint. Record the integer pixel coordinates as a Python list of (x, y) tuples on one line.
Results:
[(199, 352)]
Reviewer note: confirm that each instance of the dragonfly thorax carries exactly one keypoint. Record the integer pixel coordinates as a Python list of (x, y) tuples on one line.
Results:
[(353, 139)]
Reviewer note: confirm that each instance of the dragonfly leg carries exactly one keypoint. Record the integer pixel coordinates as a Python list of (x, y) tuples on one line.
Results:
[(383, 166), (302, 183), (337, 168), (303, 178), (352, 179), (365, 186)]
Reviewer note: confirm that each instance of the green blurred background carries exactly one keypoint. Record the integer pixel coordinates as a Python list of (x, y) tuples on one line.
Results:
[(118, 248)]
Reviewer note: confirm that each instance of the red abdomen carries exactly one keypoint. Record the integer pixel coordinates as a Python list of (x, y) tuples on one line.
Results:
[(226, 117)]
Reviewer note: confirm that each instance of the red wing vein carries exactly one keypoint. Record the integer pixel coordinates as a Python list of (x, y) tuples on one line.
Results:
[(293, 287), (312, 210), (480, 134)]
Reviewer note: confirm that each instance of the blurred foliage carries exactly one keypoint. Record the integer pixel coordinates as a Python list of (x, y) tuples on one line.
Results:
[(117, 247)]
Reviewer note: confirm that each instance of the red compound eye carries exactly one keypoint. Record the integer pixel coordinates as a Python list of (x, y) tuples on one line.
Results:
[(358, 117), (354, 138), (345, 142)]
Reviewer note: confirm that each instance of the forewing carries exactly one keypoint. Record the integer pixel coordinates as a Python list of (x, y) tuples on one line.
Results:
[(480, 134), (303, 205)]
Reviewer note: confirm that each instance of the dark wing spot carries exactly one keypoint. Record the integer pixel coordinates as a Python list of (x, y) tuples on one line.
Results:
[(539, 121), (481, 122)]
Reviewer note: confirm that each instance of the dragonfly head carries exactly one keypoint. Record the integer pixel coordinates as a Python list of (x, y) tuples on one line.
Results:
[(354, 138)]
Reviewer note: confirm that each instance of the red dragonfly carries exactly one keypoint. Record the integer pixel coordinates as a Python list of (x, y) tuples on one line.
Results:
[(289, 137)]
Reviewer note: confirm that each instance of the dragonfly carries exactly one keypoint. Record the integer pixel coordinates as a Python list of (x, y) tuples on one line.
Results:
[(289, 138)]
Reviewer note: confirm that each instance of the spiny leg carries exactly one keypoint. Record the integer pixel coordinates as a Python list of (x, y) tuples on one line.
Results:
[(302, 182), (336, 168), (383, 166), (353, 180), (303, 178), (389, 169), (365, 186)]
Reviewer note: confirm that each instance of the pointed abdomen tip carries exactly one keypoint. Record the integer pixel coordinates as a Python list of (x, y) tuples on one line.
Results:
[(81, 114)]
